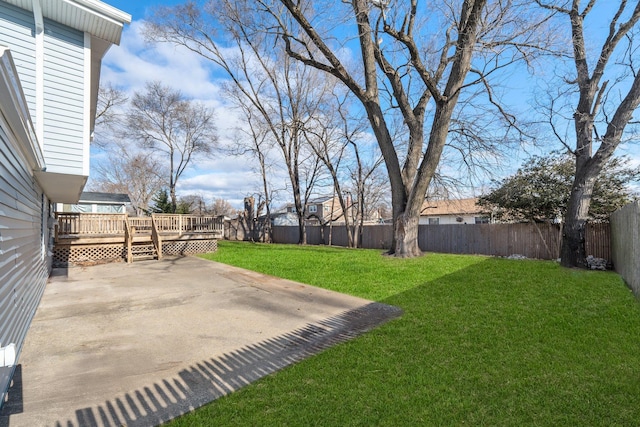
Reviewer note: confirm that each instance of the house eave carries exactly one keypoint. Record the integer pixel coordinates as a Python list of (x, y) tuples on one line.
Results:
[(92, 16), (60, 187)]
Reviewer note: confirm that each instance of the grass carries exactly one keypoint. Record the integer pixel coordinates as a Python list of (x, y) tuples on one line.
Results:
[(483, 341)]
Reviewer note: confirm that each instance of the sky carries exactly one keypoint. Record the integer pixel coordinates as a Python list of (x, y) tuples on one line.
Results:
[(134, 62)]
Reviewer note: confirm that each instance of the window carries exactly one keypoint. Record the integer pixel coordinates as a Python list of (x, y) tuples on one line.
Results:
[(326, 208), (109, 209), (313, 209), (482, 220), (434, 221)]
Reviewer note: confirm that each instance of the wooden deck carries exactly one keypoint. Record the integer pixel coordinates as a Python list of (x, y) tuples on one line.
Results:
[(105, 236)]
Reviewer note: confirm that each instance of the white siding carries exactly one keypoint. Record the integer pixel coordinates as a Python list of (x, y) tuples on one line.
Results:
[(450, 219), (23, 237), (17, 30), (64, 99)]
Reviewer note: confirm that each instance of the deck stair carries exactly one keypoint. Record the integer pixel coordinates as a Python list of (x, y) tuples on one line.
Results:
[(142, 238), (143, 251)]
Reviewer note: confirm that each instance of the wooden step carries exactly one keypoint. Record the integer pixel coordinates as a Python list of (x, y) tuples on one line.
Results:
[(143, 252)]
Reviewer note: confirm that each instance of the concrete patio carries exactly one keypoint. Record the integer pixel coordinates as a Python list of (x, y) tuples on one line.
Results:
[(139, 344)]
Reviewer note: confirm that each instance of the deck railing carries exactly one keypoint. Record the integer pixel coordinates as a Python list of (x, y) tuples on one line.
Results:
[(88, 224), (188, 223), (141, 224), (79, 224)]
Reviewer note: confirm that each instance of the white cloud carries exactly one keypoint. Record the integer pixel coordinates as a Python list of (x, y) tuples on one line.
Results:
[(135, 62)]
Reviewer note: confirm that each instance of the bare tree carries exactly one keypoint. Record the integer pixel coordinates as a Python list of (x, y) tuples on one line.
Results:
[(254, 140), (110, 101), (162, 120), (607, 82), (267, 82), (194, 203), (333, 137), (110, 106), (123, 168), (409, 67), (222, 207), (137, 174)]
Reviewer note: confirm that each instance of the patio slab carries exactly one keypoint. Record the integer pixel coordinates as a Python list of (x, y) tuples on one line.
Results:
[(138, 344)]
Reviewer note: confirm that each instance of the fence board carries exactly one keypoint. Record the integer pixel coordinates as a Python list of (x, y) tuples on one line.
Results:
[(540, 241)]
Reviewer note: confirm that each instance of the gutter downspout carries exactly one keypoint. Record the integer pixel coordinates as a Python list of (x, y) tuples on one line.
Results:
[(39, 24)]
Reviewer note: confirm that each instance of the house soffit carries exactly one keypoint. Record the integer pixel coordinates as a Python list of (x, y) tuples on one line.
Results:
[(94, 17)]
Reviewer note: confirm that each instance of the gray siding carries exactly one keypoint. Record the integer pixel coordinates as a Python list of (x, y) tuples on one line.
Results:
[(63, 98), (17, 31), (23, 260), (63, 84)]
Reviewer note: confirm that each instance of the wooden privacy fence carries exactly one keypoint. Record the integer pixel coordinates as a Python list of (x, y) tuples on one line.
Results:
[(625, 244), (540, 241)]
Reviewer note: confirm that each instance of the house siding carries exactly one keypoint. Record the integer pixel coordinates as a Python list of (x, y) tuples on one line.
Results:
[(24, 264), (64, 84), (64, 99), (17, 31), (46, 77), (450, 219)]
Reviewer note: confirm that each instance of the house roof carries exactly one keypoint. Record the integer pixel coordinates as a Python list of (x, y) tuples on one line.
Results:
[(451, 207), (318, 200), (96, 197)]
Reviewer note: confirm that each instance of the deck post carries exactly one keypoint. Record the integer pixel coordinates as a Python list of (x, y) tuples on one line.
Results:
[(155, 237), (56, 229), (128, 238)]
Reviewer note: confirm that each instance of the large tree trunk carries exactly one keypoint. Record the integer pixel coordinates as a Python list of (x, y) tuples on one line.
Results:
[(572, 253), (405, 232), (593, 96)]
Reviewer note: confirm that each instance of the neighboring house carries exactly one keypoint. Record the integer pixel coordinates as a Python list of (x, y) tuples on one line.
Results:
[(50, 58), (284, 218), (94, 202), (323, 210), (461, 211)]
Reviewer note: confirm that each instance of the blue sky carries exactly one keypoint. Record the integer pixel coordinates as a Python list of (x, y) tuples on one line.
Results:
[(138, 8), (133, 63)]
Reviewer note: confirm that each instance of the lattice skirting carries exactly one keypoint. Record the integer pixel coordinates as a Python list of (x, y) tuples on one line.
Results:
[(189, 247), (68, 255)]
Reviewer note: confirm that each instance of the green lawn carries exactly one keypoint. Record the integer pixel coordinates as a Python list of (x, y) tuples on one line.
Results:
[(482, 341)]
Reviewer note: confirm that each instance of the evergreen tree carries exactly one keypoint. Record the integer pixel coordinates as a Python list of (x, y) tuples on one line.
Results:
[(161, 202), (540, 190)]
